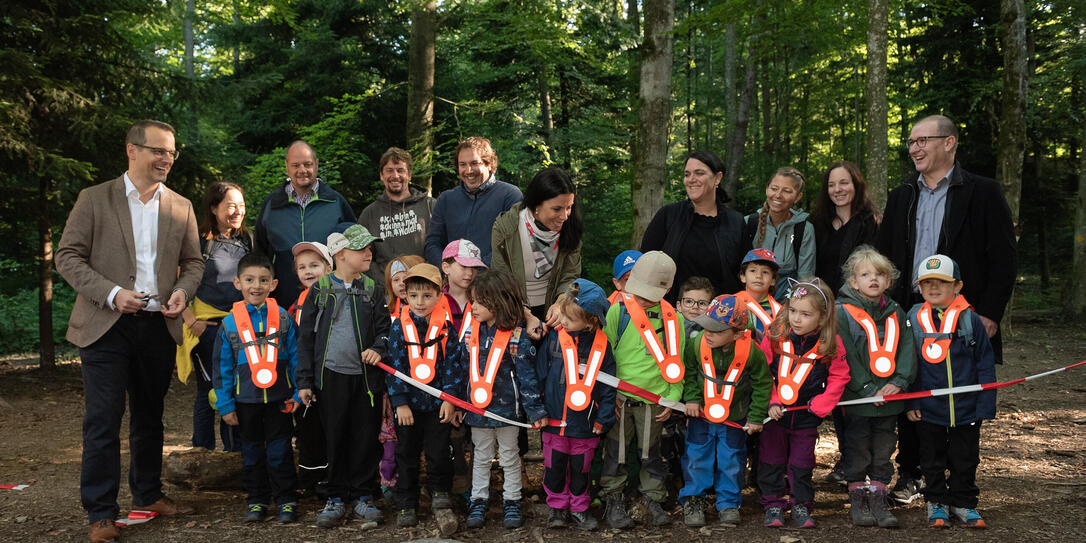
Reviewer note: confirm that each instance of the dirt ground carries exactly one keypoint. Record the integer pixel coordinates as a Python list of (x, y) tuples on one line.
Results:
[(1032, 473)]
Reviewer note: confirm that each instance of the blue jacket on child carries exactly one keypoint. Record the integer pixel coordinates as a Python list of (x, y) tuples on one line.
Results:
[(516, 388), (551, 370), (449, 372), (231, 375), (971, 361)]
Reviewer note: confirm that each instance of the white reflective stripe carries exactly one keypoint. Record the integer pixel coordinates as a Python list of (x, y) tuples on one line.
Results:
[(872, 334), (925, 320), (474, 363), (733, 375), (569, 355), (431, 351), (412, 337), (654, 343), (949, 320), (492, 362), (271, 350), (804, 369), (891, 333), (466, 323), (593, 369), (672, 337), (760, 313), (250, 351)]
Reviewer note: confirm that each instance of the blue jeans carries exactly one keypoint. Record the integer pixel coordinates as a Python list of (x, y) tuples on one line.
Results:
[(714, 458), (203, 416)]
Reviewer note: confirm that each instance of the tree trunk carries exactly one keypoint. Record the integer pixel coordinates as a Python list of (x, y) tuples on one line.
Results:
[(46, 346), (190, 14), (1012, 121), (420, 88), (563, 119), (1078, 261), (650, 167), (730, 91), (878, 159), (545, 106), (738, 138)]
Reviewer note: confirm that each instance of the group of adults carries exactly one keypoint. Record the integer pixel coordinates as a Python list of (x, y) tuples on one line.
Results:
[(142, 265)]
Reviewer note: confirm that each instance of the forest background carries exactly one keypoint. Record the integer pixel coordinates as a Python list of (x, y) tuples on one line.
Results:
[(615, 91)]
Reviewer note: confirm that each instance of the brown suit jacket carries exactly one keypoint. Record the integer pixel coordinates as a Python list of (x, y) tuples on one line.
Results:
[(97, 252)]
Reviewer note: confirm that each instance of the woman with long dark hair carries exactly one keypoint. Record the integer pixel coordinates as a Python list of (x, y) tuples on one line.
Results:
[(843, 218)]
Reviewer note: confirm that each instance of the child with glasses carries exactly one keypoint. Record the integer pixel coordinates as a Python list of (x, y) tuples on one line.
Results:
[(695, 294)]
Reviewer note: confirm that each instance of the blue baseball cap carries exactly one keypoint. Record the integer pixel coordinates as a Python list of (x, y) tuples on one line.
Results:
[(764, 256), (590, 297), (723, 312), (624, 262)]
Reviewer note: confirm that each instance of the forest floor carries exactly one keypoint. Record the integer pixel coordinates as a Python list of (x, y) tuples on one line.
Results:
[(1032, 473)]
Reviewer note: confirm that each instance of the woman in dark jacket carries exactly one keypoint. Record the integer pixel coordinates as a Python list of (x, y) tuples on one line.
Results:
[(700, 234), (843, 218)]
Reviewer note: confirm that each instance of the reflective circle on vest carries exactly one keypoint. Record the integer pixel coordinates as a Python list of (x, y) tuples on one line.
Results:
[(480, 395), (935, 351), (882, 364), (264, 376), (786, 392), (578, 398), (716, 411), (422, 372), (672, 371)]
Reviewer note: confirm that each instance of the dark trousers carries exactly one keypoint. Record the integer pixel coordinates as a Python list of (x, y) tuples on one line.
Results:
[(430, 436), (840, 429), (309, 439), (783, 449), (135, 357), (870, 443), (908, 449), (352, 420), (957, 450), (267, 469), (203, 415)]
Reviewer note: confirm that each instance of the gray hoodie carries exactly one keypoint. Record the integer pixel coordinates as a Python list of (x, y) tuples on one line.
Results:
[(779, 240), (402, 225)]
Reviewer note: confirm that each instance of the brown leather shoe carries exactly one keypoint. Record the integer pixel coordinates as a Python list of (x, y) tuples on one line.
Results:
[(104, 531), (166, 507)]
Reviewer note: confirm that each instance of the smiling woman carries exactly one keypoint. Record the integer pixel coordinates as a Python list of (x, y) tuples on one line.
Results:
[(843, 218)]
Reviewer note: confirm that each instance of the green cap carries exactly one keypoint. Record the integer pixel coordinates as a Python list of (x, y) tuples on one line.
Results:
[(355, 238)]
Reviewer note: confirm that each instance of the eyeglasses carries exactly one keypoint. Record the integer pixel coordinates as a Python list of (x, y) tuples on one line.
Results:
[(692, 303), (160, 152), (922, 141)]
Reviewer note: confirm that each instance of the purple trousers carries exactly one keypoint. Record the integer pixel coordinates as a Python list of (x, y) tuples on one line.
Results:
[(786, 450), (566, 462)]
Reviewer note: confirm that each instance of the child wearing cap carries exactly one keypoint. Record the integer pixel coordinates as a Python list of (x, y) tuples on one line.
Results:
[(342, 333), (460, 262), (651, 361), (578, 407), (954, 351), (758, 273), (620, 272), (395, 288), (727, 380), (423, 343)]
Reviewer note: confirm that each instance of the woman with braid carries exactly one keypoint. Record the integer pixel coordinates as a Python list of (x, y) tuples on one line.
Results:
[(781, 228)]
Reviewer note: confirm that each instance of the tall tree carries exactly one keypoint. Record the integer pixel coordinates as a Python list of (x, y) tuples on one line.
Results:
[(737, 134), (877, 166), (420, 87), (650, 166), (1012, 121), (1078, 260)]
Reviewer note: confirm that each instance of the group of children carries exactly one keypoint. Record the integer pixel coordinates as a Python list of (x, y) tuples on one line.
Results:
[(387, 382)]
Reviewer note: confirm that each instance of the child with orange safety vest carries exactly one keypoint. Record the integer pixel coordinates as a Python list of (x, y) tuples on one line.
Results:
[(881, 358), (758, 273), (423, 343), (254, 388), (954, 351), (727, 380), (620, 272), (579, 408)]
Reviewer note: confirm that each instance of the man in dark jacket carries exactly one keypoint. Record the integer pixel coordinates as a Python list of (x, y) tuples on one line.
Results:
[(303, 209), (399, 216), (947, 210)]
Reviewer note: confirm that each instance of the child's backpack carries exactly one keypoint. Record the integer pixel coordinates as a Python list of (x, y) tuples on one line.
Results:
[(323, 289)]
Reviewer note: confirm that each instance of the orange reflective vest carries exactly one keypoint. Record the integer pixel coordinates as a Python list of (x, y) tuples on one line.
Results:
[(718, 406), (793, 370), (299, 304), (423, 361), (936, 350), (671, 366), (579, 391), (882, 358), (482, 386), (754, 307), (261, 353)]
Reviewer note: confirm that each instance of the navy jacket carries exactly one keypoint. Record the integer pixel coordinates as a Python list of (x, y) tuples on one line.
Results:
[(516, 389), (551, 369), (230, 373), (460, 214), (971, 361), (822, 388), (449, 376)]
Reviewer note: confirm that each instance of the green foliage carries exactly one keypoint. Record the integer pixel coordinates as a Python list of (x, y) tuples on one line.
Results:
[(19, 318)]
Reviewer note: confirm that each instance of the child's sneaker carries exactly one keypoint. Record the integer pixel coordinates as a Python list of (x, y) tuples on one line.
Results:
[(583, 520), (288, 513), (513, 517), (937, 516), (969, 518), (256, 512), (729, 516), (365, 510), (477, 513), (694, 512), (906, 490), (801, 518), (774, 518), (333, 512), (407, 518), (656, 511), (557, 518)]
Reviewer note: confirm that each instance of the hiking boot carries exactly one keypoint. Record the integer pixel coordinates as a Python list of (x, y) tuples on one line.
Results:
[(906, 490), (729, 516), (256, 512), (859, 506), (477, 513), (407, 518), (659, 516), (694, 512), (880, 508), (774, 517), (937, 516), (104, 531), (557, 518), (333, 512), (969, 518), (801, 518), (365, 510), (440, 500), (615, 512), (583, 520), (288, 513), (513, 517)]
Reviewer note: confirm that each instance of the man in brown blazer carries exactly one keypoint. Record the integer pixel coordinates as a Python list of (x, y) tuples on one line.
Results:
[(130, 250)]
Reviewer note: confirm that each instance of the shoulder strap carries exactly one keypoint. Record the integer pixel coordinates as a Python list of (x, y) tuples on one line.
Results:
[(797, 240), (965, 327), (209, 248), (623, 319), (235, 342)]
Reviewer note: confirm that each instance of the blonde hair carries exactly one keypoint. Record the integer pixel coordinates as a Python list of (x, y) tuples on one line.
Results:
[(407, 261), (567, 304), (867, 253), (820, 295), (785, 171)]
